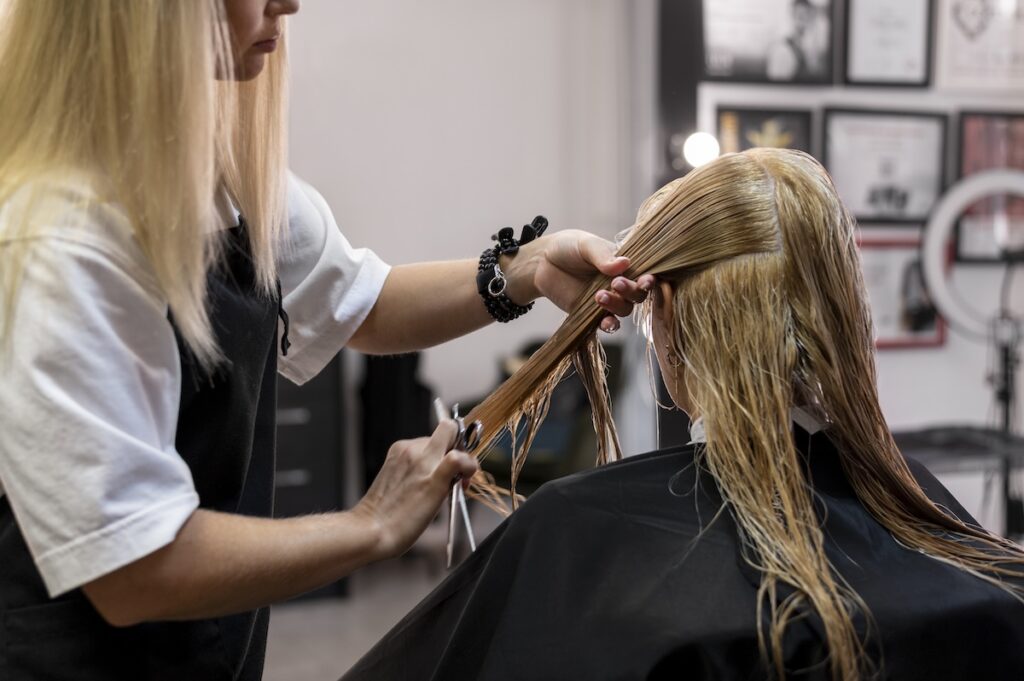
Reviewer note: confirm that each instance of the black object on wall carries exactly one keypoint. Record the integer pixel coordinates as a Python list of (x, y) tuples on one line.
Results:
[(395, 406), (680, 67), (310, 450)]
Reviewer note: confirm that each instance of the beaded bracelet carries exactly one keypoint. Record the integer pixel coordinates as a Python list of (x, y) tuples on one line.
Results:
[(491, 281)]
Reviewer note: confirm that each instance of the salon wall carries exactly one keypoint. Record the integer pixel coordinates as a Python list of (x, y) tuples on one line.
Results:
[(428, 126)]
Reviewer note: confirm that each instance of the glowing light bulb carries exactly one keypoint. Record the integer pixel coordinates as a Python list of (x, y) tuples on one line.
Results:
[(700, 148)]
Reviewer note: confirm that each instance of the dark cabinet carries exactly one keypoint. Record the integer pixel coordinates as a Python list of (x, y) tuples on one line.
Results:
[(310, 448)]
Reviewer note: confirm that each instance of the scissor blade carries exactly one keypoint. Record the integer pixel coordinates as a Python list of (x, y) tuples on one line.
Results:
[(465, 516), (450, 548)]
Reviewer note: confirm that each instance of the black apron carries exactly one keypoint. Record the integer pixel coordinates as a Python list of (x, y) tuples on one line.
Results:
[(226, 434), (607, 574)]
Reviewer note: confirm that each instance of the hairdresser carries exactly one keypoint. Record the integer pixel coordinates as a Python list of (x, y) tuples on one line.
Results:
[(159, 267)]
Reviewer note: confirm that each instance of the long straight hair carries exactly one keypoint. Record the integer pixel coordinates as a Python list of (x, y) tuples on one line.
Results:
[(126, 93), (770, 313)]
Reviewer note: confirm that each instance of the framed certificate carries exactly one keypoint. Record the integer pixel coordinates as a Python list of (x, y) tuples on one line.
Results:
[(781, 41), (902, 311), (741, 128), (980, 45), (987, 141), (888, 43), (887, 165)]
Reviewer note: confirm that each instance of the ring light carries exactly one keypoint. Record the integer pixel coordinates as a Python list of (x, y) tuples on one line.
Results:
[(938, 231)]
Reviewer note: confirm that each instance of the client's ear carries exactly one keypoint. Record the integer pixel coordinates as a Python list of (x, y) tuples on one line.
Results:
[(663, 309)]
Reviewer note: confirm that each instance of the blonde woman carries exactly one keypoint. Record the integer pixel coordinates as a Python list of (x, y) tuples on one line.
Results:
[(788, 539), (143, 324)]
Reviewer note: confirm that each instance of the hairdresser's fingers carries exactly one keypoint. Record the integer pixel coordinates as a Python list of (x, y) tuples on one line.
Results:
[(442, 439), (614, 302), (630, 290), (600, 253), (416, 477), (456, 464)]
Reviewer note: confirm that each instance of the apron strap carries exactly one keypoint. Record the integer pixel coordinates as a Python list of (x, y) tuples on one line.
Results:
[(285, 343)]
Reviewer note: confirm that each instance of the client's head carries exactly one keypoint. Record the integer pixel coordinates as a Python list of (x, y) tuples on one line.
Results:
[(760, 307), (759, 291)]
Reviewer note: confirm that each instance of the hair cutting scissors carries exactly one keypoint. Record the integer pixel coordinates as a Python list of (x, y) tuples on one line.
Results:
[(466, 439)]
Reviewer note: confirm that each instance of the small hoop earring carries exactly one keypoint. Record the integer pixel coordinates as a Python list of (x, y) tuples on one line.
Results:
[(673, 359)]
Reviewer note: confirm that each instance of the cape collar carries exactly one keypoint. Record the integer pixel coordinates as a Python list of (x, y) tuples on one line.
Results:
[(802, 417)]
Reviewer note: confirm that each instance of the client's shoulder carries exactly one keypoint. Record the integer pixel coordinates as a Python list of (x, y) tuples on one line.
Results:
[(646, 475)]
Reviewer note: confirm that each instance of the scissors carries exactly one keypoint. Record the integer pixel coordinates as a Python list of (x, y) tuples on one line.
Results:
[(466, 439)]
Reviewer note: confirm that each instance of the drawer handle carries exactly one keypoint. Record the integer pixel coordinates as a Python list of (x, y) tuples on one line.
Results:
[(294, 416), (293, 477)]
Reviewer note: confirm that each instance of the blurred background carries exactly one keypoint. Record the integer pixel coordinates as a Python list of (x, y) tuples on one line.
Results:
[(429, 126)]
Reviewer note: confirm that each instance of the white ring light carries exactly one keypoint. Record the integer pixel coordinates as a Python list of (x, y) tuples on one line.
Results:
[(939, 230)]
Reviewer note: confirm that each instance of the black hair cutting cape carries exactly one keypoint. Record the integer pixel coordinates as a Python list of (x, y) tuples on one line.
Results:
[(602, 575)]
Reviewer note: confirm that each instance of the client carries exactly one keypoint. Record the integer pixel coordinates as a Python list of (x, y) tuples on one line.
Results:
[(789, 539)]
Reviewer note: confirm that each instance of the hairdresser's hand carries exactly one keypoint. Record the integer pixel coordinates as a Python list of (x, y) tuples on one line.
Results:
[(416, 477), (559, 266)]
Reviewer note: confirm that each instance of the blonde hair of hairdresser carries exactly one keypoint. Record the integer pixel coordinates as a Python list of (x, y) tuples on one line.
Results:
[(126, 91), (769, 312)]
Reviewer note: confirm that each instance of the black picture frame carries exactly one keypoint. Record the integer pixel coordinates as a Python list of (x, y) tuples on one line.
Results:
[(799, 121), (749, 70), (934, 164), (960, 256), (929, 46)]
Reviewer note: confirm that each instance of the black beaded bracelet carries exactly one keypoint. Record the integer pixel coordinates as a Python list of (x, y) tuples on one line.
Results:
[(491, 281)]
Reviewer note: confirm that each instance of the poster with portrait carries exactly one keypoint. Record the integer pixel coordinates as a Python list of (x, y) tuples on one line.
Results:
[(888, 43), (741, 128), (901, 309), (781, 41), (887, 166), (980, 45), (995, 224)]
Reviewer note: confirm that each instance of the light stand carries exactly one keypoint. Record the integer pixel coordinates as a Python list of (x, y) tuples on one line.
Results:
[(1005, 329)]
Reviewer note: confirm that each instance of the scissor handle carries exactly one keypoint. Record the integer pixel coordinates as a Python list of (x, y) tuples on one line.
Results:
[(471, 436)]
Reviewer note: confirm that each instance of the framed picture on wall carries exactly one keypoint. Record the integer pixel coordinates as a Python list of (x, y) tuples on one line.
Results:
[(887, 165), (980, 45), (780, 41), (901, 309), (741, 128), (888, 43), (987, 141)]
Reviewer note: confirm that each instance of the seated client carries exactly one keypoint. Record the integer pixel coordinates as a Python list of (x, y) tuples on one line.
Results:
[(788, 539)]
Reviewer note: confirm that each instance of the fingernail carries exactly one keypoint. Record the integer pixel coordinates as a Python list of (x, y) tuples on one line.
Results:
[(603, 297), (619, 285)]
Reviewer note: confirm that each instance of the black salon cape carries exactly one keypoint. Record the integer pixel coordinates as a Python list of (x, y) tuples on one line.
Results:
[(599, 576)]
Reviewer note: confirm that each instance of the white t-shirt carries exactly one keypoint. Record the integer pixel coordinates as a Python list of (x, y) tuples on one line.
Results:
[(90, 385)]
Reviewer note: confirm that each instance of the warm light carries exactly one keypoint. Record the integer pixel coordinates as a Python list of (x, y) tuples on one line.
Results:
[(700, 148)]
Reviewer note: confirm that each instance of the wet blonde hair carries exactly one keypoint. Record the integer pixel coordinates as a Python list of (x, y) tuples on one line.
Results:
[(126, 91), (770, 312)]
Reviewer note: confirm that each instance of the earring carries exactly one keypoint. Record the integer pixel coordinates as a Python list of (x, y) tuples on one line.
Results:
[(673, 359)]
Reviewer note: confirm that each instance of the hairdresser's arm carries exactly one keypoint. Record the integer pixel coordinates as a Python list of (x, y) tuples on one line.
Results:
[(221, 563), (428, 303)]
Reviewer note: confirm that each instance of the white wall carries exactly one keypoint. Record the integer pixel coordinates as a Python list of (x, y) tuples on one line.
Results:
[(429, 126)]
